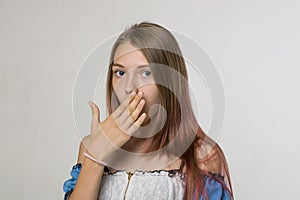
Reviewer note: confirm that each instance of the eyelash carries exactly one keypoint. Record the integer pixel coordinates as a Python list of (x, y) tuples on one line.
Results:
[(115, 72)]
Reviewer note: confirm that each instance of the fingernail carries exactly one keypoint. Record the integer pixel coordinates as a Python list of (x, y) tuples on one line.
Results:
[(142, 101), (140, 94), (132, 93)]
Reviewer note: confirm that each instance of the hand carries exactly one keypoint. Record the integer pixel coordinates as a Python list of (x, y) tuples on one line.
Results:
[(117, 128)]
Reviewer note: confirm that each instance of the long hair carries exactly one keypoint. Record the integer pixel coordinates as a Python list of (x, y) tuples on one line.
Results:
[(204, 156)]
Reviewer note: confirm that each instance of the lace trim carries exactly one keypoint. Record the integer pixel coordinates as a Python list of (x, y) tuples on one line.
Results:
[(171, 172)]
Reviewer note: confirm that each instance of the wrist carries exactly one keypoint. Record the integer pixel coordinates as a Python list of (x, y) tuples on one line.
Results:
[(96, 153), (101, 150), (90, 156)]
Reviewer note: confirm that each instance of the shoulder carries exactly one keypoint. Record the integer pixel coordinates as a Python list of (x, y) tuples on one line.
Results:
[(212, 161), (210, 156), (82, 148)]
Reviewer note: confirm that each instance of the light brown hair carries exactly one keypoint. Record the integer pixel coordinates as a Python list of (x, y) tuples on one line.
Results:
[(204, 156)]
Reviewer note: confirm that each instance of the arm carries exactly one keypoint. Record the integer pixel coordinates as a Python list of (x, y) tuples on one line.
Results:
[(98, 143), (89, 179)]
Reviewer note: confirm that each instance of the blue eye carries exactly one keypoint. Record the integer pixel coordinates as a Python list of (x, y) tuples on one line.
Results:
[(147, 73), (119, 73)]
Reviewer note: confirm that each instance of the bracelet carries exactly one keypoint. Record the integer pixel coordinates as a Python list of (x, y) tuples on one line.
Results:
[(95, 160)]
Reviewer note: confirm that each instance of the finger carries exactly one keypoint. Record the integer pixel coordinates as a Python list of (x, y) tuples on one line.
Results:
[(131, 119), (95, 113), (127, 113), (135, 102), (136, 124), (124, 105)]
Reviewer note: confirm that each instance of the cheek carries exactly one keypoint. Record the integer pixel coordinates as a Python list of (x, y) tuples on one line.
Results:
[(119, 91), (121, 97), (118, 94)]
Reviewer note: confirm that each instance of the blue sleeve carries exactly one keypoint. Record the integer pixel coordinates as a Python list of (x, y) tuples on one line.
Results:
[(70, 183), (215, 190)]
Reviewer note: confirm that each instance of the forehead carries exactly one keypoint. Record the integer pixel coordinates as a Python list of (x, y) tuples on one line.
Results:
[(129, 56)]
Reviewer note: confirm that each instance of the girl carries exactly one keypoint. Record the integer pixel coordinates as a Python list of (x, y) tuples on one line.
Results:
[(150, 112)]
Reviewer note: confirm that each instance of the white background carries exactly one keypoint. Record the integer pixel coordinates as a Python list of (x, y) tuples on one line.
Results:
[(254, 45)]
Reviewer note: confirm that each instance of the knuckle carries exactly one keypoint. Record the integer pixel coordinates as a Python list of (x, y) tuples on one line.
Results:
[(130, 108), (118, 124), (133, 117), (135, 101)]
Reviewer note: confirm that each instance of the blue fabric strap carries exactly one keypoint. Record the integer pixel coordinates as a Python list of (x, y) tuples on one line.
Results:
[(69, 184)]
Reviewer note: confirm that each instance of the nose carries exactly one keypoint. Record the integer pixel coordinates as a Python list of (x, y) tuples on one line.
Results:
[(130, 84)]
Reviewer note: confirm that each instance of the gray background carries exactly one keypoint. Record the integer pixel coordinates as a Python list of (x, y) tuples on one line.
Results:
[(254, 45)]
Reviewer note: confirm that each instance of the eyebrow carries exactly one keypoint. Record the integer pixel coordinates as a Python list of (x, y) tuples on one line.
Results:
[(119, 65)]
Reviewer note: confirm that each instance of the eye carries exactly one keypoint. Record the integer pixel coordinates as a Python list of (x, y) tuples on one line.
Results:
[(146, 73), (119, 73)]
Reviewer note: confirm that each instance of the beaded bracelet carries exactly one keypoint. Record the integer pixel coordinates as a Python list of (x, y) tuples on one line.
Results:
[(95, 160)]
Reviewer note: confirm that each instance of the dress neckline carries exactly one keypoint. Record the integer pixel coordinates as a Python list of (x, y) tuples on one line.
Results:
[(170, 172)]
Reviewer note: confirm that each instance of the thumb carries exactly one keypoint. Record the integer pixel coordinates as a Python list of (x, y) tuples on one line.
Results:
[(95, 113)]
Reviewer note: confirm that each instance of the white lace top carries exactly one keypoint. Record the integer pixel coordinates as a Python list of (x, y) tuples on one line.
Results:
[(142, 185)]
